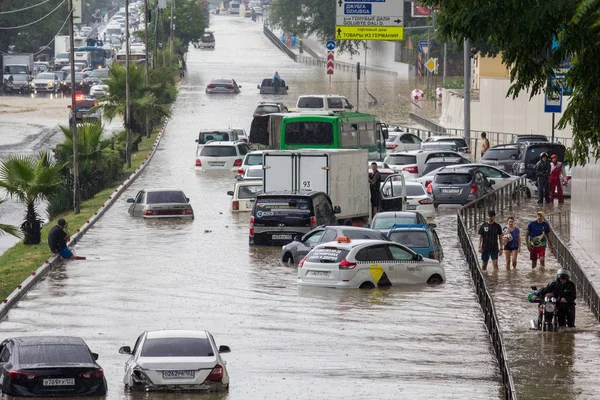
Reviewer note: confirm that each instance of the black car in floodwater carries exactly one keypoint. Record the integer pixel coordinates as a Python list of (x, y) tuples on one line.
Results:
[(50, 366)]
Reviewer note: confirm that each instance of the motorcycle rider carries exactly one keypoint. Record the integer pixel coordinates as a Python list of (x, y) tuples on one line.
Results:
[(563, 289)]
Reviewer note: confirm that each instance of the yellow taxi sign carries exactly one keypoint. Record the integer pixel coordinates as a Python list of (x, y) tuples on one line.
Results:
[(369, 33)]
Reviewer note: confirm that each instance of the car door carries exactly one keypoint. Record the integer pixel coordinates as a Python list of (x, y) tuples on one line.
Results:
[(381, 266), (500, 178), (437, 245), (5, 353), (131, 363), (483, 185), (308, 242), (136, 208), (407, 269)]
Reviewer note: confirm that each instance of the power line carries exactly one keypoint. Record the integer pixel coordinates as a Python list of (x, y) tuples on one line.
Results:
[(53, 39), (23, 9), (34, 22)]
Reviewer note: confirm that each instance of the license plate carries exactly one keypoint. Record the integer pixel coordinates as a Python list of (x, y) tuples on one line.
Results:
[(320, 274), (451, 191), (84, 110), (178, 374), (281, 237), (216, 164), (59, 382), (409, 207)]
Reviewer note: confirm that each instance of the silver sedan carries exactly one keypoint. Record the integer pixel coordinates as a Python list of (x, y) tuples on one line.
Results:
[(46, 82), (223, 86), (161, 203)]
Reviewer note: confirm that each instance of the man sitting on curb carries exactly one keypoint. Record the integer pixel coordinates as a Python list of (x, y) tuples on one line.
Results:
[(57, 240)]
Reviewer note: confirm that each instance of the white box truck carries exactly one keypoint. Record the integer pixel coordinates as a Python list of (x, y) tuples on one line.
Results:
[(341, 174)]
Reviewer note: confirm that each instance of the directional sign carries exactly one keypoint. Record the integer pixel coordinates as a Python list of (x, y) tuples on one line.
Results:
[(369, 33), (430, 65), (369, 13), (330, 45), (330, 62)]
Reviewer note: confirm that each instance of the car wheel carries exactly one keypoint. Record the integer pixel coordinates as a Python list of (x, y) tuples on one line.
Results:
[(288, 259), (367, 285), (435, 280)]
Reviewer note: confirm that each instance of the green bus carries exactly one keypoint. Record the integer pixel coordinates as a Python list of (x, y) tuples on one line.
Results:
[(320, 130)]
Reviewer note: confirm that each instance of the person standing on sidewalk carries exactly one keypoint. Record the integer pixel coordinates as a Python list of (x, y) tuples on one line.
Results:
[(537, 239), (511, 237), (485, 143), (490, 240), (542, 172), (558, 177)]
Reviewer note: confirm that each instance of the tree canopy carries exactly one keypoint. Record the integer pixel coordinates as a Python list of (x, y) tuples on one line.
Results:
[(535, 38)]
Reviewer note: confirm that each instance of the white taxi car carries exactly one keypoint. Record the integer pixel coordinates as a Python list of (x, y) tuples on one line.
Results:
[(366, 264), (244, 194), (176, 360)]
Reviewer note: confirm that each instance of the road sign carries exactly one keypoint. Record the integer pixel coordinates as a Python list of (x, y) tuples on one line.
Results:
[(553, 102), (430, 65), (423, 46), (330, 62), (330, 45), (369, 33), (369, 13)]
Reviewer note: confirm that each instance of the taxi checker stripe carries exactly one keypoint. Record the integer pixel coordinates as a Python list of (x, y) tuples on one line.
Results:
[(378, 274)]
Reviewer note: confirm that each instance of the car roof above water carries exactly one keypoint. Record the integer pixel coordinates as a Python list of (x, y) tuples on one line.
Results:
[(43, 340), (176, 333)]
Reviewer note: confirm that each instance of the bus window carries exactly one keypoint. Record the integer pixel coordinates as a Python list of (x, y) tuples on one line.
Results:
[(367, 134), (349, 137), (319, 133)]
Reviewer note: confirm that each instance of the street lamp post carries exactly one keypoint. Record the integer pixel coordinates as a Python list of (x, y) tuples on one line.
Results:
[(147, 61), (127, 106), (172, 48), (73, 114)]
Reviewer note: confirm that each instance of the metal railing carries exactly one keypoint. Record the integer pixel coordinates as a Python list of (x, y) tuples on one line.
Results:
[(585, 287), (487, 306), (468, 218), (271, 36)]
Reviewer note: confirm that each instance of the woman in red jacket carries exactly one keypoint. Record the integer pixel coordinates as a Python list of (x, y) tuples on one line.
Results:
[(557, 178)]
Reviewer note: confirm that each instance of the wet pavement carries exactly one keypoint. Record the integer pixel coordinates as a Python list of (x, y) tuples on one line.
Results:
[(413, 342)]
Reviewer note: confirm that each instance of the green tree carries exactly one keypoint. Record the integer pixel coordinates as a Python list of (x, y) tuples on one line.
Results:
[(31, 179), (11, 230), (535, 38), (191, 19)]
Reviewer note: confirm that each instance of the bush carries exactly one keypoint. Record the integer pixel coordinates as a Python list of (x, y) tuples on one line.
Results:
[(454, 83)]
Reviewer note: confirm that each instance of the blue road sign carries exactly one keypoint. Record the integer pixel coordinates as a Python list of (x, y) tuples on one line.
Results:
[(423, 46), (330, 45), (553, 102)]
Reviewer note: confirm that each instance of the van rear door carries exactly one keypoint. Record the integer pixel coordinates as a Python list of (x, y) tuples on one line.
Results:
[(278, 172), (313, 172)]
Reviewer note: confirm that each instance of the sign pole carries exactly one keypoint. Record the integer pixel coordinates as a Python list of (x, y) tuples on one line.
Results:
[(74, 114), (467, 96), (357, 85), (553, 114)]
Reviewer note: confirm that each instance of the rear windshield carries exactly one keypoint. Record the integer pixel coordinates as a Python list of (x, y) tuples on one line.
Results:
[(218, 151), (166, 197), (364, 234), (253, 159), (453, 179), (249, 192), (271, 206), (54, 354), (388, 222), (267, 109), (533, 153), (499, 154), (256, 173), (222, 82), (84, 104), (309, 133), (218, 136), (208, 37), (400, 159), (327, 255), (415, 190), (540, 138), (458, 142), (177, 347), (410, 238), (310, 102)]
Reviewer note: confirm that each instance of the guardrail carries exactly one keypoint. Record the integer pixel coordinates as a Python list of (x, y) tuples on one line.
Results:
[(585, 287), (468, 218), (271, 36), (487, 306)]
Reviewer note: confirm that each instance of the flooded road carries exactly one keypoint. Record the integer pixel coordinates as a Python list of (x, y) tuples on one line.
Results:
[(544, 365), (414, 342)]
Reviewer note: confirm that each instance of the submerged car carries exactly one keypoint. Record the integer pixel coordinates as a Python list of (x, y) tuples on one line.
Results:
[(267, 87), (85, 110), (160, 203), (207, 41), (243, 195), (223, 86), (176, 360), (46, 82), (49, 366)]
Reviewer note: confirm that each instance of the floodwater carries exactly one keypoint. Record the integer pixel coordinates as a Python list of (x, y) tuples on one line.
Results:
[(417, 342), (545, 365)]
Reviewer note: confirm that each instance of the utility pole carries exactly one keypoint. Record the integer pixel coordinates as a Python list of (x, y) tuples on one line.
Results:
[(147, 62), (73, 114), (445, 64), (127, 105), (467, 96), (155, 63), (172, 48)]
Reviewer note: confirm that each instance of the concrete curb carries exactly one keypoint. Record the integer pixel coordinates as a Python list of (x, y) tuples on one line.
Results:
[(22, 289)]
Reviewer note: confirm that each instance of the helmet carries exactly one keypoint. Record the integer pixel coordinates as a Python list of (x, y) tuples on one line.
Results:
[(544, 154), (563, 273)]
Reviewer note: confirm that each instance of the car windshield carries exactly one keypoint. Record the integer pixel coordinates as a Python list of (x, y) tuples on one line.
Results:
[(45, 76), (400, 159), (309, 133), (388, 222), (410, 238), (249, 192), (216, 135), (499, 154), (170, 196), (218, 151), (78, 77), (254, 159), (54, 354), (62, 55), (310, 102), (267, 109), (363, 234), (452, 178), (177, 347), (327, 255), (99, 73)]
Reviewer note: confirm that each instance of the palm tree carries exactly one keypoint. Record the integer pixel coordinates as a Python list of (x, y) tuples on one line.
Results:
[(30, 179), (11, 230)]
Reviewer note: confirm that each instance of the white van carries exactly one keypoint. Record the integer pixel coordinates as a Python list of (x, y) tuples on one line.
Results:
[(244, 194), (323, 102)]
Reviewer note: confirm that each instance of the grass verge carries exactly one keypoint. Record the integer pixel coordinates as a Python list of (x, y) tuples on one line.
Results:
[(17, 263)]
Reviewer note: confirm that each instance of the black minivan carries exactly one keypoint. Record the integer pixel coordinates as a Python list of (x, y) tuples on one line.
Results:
[(529, 155), (277, 217)]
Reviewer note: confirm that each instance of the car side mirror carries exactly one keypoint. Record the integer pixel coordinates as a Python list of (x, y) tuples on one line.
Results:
[(366, 226), (125, 350), (297, 238), (534, 288), (492, 182), (240, 86), (196, 140), (258, 86), (287, 88), (130, 200), (69, 106), (230, 193), (417, 257), (431, 225), (224, 349), (187, 199), (239, 178), (337, 210)]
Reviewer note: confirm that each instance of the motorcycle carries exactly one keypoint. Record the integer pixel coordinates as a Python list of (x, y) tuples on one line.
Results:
[(546, 307)]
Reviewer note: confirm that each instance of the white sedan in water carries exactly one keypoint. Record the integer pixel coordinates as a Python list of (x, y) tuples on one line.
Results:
[(176, 360)]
